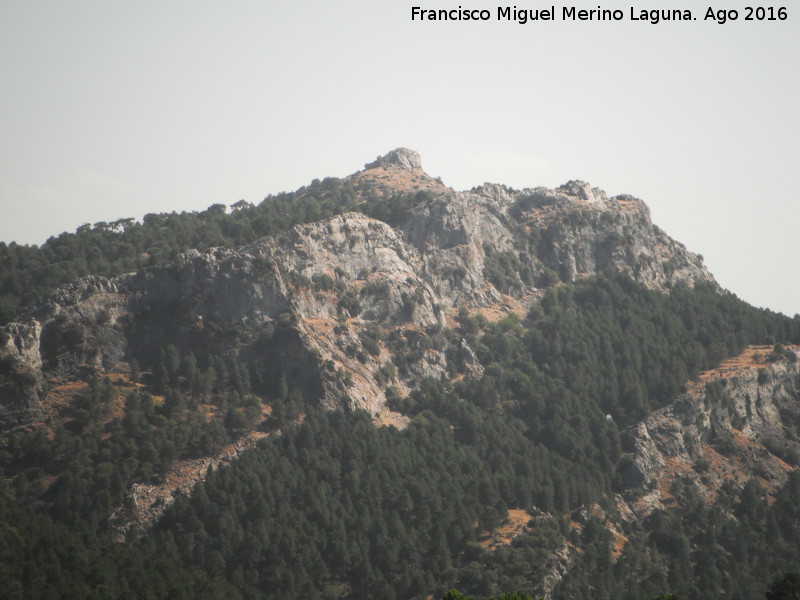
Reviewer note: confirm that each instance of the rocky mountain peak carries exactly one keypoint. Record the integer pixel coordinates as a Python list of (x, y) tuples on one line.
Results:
[(402, 158), (335, 281), (582, 190), (458, 314)]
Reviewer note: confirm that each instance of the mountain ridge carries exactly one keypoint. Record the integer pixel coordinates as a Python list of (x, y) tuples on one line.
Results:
[(577, 366), (481, 249)]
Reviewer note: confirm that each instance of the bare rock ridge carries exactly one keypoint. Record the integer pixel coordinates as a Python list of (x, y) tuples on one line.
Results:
[(342, 294), (400, 157), (542, 236)]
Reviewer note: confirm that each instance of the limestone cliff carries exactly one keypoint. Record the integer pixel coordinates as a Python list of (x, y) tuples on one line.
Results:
[(335, 285), (738, 421), (351, 310), (490, 241)]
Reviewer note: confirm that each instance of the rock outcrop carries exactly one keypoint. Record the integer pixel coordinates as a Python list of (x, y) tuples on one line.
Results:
[(339, 288), (147, 502), (400, 157), (481, 244), (740, 419), (399, 171), (347, 307)]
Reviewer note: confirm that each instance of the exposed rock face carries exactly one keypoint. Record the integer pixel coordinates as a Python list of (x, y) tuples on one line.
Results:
[(579, 231), (329, 279), (400, 157), (358, 252), (742, 418), (328, 284), (355, 272), (490, 241), (399, 171), (558, 564), (338, 305), (147, 502), (453, 234), (76, 326)]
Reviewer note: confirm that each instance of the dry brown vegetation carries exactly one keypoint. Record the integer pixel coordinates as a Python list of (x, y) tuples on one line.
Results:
[(514, 525), (752, 356), (398, 179)]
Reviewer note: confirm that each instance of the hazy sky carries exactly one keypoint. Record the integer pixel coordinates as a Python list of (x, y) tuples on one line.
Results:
[(112, 109)]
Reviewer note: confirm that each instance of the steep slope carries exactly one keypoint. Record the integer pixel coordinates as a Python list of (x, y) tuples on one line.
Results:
[(489, 247), (397, 171), (736, 422), (529, 346), (491, 241), (344, 273), (711, 473)]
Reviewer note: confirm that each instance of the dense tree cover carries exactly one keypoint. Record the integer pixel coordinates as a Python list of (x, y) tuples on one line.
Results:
[(114, 434), (531, 432), (335, 507), (99, 453), (456, 595), (786, 587), (27, 273), (618, 346), (728, 550), (44, 560), (339, 507), (590, 360)]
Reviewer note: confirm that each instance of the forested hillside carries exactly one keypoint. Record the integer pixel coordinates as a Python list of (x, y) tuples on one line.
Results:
[(564, 417), (27, 273)]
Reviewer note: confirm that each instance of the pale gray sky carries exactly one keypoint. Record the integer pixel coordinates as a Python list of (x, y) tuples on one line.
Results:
[(114, 109)]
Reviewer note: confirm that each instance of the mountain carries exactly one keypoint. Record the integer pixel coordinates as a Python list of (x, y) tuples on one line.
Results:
[(586, 378), (489, 249)]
